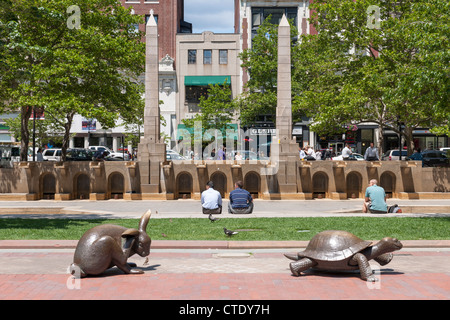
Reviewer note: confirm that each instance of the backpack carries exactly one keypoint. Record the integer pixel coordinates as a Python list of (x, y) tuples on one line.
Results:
[(394, 209)]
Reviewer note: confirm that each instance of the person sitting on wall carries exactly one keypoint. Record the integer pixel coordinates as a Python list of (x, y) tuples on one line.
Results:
[(211, 200), (375, 198), (241, 201), (346, 152)]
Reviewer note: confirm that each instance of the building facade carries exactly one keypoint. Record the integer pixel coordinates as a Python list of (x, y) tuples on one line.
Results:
[(205, 59)]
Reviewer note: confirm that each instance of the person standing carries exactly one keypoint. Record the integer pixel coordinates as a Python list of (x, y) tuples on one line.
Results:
[(39, 156), (310, 154), (211, 200), (302, 153), (371, 153), (221, 154)]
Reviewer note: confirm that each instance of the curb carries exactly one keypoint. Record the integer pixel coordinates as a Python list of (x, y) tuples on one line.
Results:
[(200, 244)]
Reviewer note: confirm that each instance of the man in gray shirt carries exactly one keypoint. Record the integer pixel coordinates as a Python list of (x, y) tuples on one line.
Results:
[(371, 153)]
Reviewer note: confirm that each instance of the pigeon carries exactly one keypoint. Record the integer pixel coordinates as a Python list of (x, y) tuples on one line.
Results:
[(229, 232), (212, 218), (164, 235)]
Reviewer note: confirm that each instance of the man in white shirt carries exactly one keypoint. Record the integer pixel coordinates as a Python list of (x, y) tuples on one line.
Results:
[(302, 153), (211, 200), (310, 154), (346, 152)]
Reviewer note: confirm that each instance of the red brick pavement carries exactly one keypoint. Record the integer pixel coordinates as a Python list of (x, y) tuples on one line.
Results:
[(220, 286)]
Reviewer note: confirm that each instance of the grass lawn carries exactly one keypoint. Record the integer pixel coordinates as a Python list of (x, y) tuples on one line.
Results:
[(370, 228)]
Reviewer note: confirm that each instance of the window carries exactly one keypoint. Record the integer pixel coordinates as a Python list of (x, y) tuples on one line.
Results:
[(192, 56), (223, 56), (207, 56), (193, 93), (147, 16), (276, 13)]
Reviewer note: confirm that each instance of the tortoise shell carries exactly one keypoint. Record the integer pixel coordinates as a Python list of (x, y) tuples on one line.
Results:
[(333, 245)]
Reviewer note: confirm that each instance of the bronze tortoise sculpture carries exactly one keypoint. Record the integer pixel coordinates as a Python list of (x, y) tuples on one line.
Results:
[(335, 250)]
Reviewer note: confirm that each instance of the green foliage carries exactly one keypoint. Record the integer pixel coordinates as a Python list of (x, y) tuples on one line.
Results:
[(353, 71), (91, 70), (261, 63), (216, 109), (397, 73), (256, 229)]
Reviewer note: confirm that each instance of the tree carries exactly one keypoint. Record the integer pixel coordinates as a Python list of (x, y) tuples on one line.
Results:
[(394, 74), (68, 59), (261, 63)]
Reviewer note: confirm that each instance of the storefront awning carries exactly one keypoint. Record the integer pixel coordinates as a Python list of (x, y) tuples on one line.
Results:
[(231, 134), (206, 80)]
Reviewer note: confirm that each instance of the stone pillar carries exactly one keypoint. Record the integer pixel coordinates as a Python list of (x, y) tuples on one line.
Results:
[(286, 149), (151, 150)]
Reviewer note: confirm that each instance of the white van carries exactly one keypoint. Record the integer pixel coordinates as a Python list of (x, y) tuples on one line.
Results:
[(52, 154)]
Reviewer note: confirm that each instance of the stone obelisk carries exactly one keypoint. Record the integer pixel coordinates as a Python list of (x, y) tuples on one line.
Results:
[(286, 149), (151, 150)]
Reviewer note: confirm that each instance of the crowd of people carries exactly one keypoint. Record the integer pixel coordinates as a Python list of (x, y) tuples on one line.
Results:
[(308, 153)]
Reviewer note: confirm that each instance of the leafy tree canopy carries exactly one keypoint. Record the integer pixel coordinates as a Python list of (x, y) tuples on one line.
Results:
[(68, 59)]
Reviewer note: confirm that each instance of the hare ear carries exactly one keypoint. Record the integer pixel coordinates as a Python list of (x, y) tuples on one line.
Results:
[(144, 220), (130, 233)]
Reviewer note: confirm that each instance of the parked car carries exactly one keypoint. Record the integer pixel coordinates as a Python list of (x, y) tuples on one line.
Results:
[(394, 155), (52, 154), (79, 154), (446, 150), (353, 156), (173, 155), (119, 155), (435, 158)]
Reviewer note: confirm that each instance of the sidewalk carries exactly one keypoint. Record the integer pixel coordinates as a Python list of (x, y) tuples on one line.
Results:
[(191, 208), (223, 270), (221, 274)]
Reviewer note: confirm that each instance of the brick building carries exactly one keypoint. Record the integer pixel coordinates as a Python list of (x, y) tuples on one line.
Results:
[(169, 15)]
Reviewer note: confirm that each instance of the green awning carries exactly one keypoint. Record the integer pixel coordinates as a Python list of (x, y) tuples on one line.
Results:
[(206, 80)]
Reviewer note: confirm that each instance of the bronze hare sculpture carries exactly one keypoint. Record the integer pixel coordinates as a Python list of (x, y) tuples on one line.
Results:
[(105, 246), (340, 250)]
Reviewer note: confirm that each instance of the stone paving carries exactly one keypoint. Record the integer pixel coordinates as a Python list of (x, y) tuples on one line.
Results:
[(220, 270), (204, 274)]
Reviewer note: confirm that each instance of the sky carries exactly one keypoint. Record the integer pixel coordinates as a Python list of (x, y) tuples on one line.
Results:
[(210, 15)]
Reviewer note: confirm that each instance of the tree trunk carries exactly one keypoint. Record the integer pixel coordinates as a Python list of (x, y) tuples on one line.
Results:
[(25, 134), (408, 134), (66, 138), (380, 141)]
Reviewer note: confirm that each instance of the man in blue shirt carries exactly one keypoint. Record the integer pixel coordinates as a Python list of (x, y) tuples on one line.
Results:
[(211, 200), (375, 198), (241, 200)]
